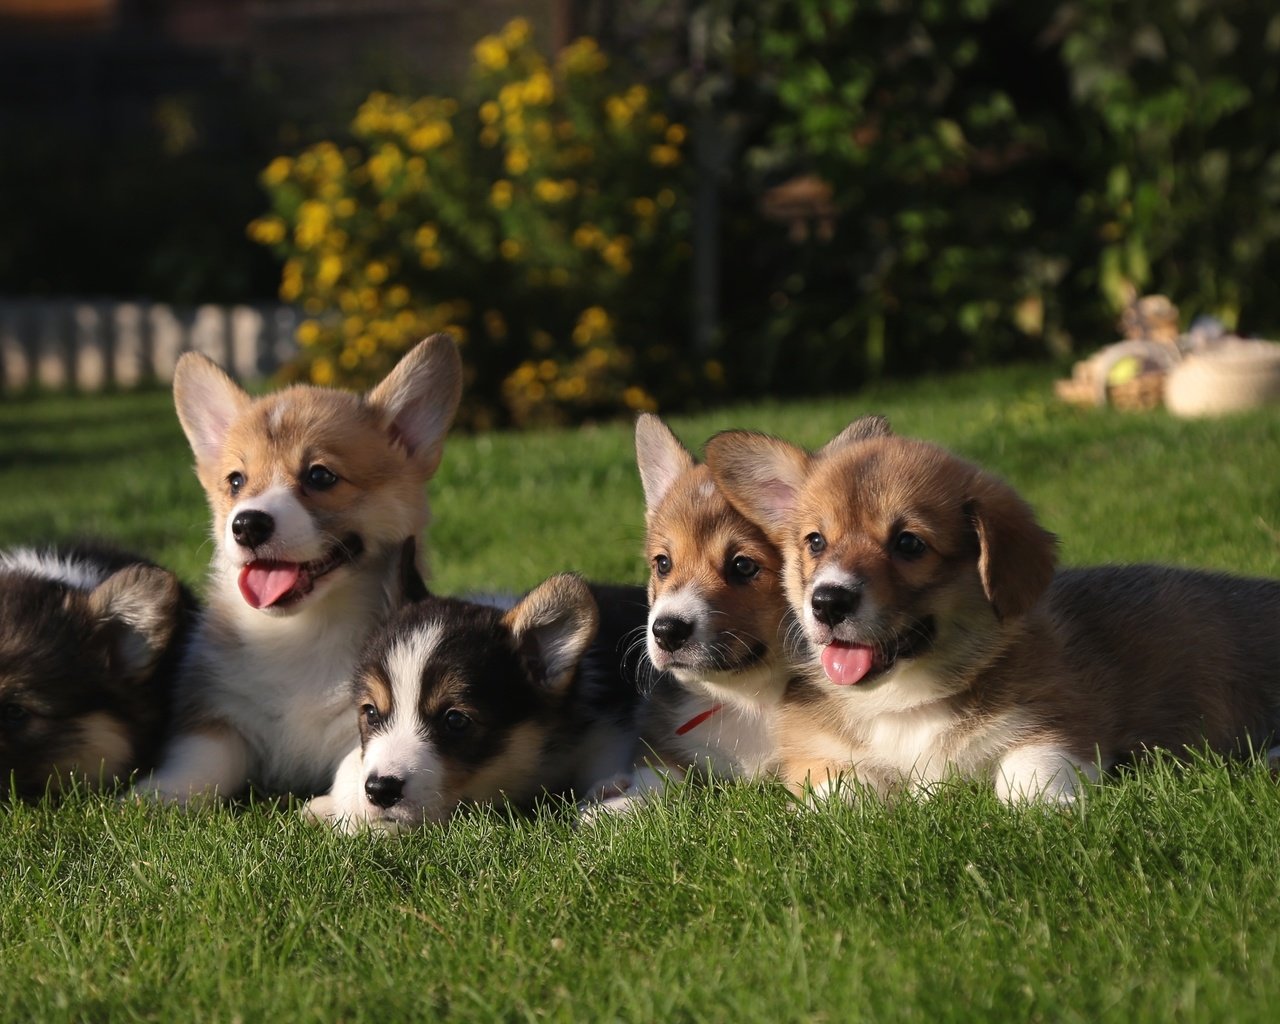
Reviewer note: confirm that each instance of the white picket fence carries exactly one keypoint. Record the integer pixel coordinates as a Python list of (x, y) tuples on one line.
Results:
[(90, 345)]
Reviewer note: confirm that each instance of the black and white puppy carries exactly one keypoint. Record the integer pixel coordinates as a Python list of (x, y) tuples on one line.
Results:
[(89, 641), (462, 703)]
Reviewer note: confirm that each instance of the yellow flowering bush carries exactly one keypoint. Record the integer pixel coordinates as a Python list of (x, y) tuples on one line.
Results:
[(540, 216)]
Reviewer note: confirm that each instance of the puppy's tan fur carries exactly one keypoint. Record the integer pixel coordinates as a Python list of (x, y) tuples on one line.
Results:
[(715, 705), (264, 692), (986, 663)]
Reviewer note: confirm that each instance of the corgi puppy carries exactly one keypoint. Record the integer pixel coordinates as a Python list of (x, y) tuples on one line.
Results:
[(313, 492), (462, 703), (717, 622), (89, 641), (927, 592)]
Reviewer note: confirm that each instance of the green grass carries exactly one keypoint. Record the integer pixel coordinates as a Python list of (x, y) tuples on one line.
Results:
[(1156, 899)]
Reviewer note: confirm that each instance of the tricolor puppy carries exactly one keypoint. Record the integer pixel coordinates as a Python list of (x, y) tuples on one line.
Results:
[(717, 627), (89, 640), (928, 595), (313, 493), (461, 703)]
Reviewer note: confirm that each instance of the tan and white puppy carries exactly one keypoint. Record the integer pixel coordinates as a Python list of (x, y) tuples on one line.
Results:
[(460, 703), (313, 493), (927, 592), (717, 619)]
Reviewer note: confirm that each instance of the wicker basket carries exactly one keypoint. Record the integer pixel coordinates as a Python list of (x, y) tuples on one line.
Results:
[(1140, 394)]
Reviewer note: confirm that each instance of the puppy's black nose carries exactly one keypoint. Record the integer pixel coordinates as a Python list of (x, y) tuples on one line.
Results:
[(251, 528), (833, 604), (384, 790), (670, 633)]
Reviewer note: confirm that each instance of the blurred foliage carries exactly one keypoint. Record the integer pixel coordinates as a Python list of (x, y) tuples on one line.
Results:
[(540, 217), (1006, 175)]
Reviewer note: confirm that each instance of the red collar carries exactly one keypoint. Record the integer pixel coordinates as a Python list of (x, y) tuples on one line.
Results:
[(698, 719)]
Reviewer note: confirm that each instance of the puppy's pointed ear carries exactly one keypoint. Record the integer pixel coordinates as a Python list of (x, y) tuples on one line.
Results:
[(761, 476), (1016, 555), (419, 397), (862, 429), (661, 457), (137, 610), (553, 625), (413, 588), (208, 402)]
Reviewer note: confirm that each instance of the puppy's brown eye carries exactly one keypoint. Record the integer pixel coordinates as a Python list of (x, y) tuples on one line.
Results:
[(816, 543), (370, 715), (456, 721), (661, 565), (235, 481), (319, 478), (908, 545), (744, 567)]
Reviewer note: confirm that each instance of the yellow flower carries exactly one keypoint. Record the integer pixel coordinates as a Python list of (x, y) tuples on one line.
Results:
[(582, 57), (542, 342), (517, 161), (398, 295), (516, 33), (644, 207), (345, 207), (329, 271), (366, 346), (638, 399), (430, 258), (490, 112), (322, 372), (267, 230), (489, 137), (616, 253), (426, 236), (676, 134), (500, 194), (538, 90), (586, 236), (308, 333), (637, 96), (349, 359), (666, 198), (431, 135), (277, 171), (509, 249), (618, 110), (548, 191), (664, 156), (490, 54), (511, 97), (376, 272), (313, 222)]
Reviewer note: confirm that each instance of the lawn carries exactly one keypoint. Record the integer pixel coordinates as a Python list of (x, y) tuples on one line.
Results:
[(1155, 899)]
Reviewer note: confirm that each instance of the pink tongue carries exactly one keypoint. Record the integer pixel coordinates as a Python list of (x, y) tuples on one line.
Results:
[(846, 664), (263, 583)]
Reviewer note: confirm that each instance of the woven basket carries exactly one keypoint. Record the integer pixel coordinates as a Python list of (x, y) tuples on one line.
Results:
[(1140, 394)]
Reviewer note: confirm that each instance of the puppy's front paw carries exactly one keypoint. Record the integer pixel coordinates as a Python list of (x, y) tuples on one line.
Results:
[(319, 810)]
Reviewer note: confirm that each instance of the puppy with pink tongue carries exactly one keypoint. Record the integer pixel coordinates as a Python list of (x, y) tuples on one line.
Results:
[(314, 494), (929, 597)]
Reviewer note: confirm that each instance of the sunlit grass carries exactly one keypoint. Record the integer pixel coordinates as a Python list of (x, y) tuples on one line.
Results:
[(1155, 899)]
